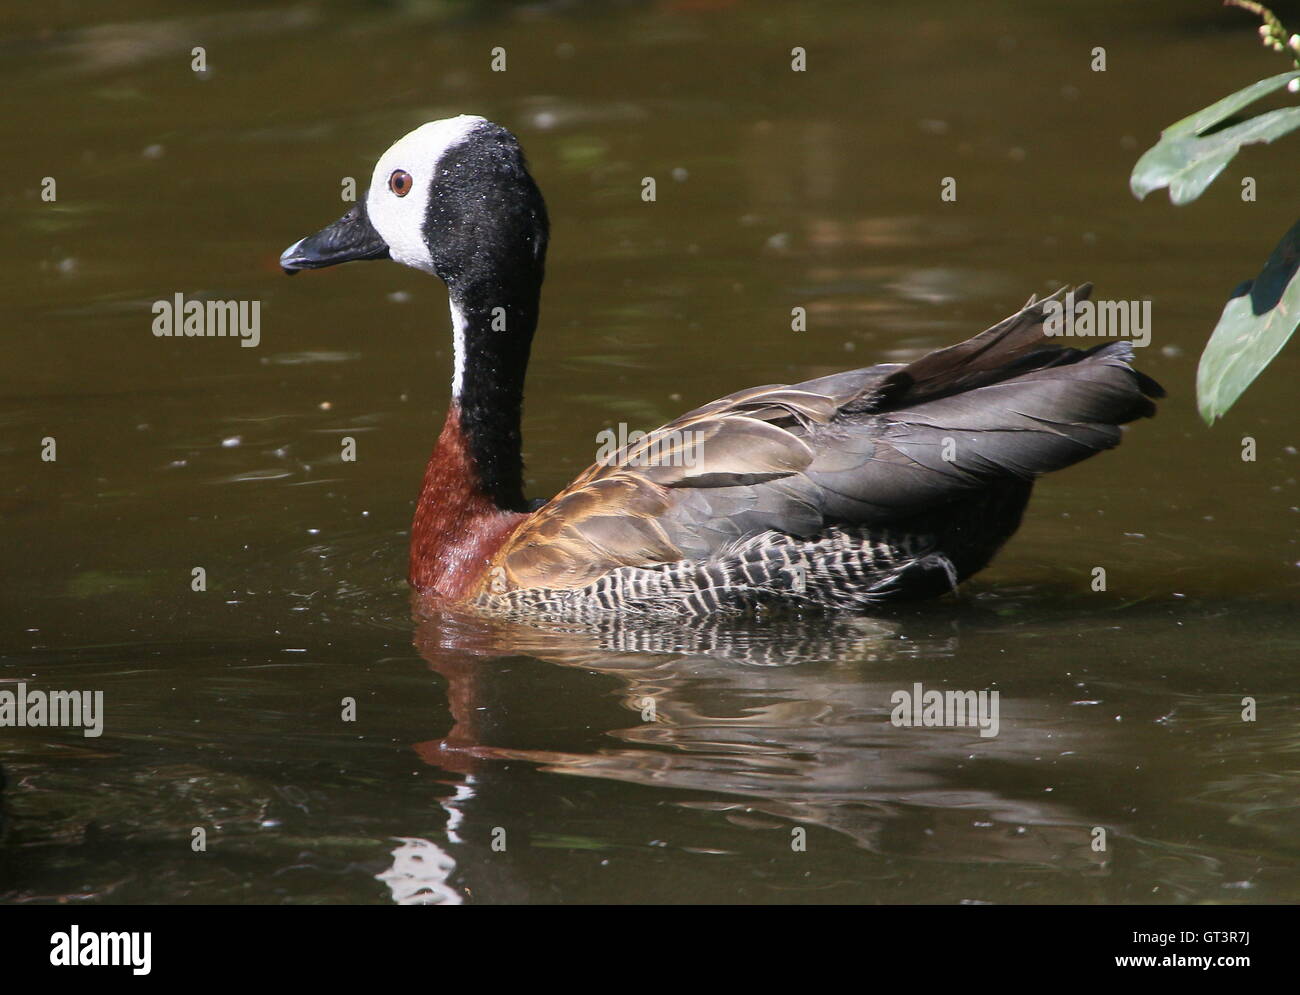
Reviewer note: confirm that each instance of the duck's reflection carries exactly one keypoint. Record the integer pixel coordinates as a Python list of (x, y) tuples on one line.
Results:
[(418, 874), (783, 721)]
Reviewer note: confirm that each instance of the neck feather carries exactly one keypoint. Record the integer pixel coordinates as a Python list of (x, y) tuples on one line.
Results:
[(493, 334), (457, 527), (473, 495)]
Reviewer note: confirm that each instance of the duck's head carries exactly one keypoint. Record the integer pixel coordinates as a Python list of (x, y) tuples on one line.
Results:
[(453, 198)]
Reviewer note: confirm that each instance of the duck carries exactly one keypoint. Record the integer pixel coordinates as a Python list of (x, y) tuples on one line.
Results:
[(892, 482)]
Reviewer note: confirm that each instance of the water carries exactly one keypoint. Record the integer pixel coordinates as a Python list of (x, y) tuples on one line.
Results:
[(494, 762)]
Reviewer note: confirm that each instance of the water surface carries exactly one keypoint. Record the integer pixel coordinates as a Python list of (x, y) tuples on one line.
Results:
[(1120, 709)]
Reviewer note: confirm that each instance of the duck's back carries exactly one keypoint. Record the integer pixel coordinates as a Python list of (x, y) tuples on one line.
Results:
[(888, 482)]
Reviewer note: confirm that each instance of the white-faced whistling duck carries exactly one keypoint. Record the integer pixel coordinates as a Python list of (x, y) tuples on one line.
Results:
[(894, 481)]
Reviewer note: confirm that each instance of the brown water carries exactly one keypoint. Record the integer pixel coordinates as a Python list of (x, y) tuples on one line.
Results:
[(1119, 709)]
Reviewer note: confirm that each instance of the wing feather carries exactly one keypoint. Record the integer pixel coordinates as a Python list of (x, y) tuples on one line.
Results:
[(874, 445)]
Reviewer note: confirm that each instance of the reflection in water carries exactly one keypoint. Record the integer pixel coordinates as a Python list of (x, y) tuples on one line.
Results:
[(784, 719), (419, 872)]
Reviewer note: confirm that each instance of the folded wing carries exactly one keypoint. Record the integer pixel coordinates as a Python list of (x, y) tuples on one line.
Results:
[(874, 447)]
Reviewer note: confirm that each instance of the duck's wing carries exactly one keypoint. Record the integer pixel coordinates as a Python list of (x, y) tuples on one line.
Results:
[(868, 446)]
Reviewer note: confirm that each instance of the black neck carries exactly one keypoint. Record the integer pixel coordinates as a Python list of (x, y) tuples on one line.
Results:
[(495, 361), (486, 228)]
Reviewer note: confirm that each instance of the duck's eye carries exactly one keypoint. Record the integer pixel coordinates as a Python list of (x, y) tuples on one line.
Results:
[(400, 182)]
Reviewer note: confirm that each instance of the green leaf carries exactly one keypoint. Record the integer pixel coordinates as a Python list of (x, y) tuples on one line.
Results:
[(1256, 322), (1186, 159)]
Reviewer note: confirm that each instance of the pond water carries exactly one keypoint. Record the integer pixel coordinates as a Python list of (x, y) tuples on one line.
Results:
[(493, 762)]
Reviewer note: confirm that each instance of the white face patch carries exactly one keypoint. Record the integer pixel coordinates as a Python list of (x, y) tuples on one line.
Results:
[(400, 220)]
